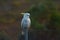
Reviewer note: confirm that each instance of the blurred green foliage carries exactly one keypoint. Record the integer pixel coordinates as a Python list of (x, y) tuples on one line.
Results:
[(36, 25), (44, 10)]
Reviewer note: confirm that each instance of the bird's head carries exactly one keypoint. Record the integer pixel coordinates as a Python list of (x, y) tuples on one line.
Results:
[(26, 14)]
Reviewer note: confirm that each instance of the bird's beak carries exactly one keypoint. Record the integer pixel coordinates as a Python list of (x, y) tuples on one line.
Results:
[(22, 13)]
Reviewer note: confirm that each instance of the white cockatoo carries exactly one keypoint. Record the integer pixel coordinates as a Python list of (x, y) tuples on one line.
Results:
[(26, 22)]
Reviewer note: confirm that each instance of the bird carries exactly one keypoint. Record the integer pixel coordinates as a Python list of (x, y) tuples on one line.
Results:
[(26, 22)]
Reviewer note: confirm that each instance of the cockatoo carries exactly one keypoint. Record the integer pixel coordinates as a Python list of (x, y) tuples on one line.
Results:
[(26, 22)]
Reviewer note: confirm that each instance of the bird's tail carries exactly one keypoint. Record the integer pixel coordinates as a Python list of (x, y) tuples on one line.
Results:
[(22, 32)]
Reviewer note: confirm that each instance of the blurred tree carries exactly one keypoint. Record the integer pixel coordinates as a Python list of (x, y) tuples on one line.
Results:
[(43, 11)]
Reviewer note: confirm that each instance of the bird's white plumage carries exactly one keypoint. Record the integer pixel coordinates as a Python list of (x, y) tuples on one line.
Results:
[(26, 22)]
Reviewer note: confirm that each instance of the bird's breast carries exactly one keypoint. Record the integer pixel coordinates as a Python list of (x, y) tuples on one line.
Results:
[(26, 22)]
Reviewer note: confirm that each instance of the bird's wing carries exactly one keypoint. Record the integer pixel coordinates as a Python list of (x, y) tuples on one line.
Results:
[(29, 21), (25, 23)]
